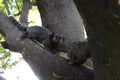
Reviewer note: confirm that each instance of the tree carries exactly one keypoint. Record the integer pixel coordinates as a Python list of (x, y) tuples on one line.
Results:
[(102, 19), (45, 65), (61, 16)]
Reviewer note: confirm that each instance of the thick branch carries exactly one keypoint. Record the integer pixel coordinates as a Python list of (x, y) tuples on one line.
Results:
[(24, 12), (44, 64)]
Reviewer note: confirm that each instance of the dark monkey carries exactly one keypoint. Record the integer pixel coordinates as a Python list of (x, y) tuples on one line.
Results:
[(51, 41), (34, 32), (78, 52), (54, 42)]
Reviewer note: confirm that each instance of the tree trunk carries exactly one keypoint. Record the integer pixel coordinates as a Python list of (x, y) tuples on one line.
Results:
[(102, 19), (62, 16)]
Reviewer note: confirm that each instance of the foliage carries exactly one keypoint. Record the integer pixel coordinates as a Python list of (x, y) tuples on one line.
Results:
[(33, 20), (6, 60), (2, 7), (15, 6)]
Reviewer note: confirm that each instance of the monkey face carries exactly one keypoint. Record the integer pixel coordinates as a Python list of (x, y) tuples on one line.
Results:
[(58, 38)]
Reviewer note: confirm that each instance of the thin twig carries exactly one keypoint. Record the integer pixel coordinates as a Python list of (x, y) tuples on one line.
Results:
[(7, 7)]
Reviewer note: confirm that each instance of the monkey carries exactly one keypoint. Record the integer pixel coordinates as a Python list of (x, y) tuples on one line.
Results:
[(54, 42), (38, 33), (78, 52), (51, 41)]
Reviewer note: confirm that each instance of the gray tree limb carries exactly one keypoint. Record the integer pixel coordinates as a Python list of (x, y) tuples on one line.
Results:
[(24, 12)]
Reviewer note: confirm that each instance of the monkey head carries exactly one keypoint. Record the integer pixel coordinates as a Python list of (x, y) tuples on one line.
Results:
[(57, 38)]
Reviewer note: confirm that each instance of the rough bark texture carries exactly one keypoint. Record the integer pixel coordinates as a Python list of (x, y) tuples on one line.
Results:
[(62, 16), (44, 64), (102, 19)]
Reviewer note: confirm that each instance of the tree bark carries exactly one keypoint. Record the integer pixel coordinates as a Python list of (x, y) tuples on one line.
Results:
[(102, 19), (45, 65)]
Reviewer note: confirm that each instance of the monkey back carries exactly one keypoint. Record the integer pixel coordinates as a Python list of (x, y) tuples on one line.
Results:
[(38, 33), (78, 52)]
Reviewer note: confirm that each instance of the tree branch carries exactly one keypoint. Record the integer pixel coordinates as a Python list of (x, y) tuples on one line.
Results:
[(24, 12), (7, 7), (45, 64)]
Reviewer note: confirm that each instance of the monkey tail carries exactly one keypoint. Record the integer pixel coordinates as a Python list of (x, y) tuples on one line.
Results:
[(16, 23)]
